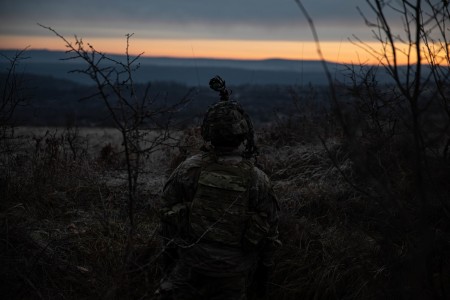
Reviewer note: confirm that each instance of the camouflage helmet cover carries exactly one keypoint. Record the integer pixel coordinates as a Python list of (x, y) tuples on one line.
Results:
[(225, 123)]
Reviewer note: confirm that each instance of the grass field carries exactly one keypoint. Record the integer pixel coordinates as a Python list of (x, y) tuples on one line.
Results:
[(65, 229)]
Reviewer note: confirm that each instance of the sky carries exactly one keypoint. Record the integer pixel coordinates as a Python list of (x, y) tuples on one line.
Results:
[(236, 29)]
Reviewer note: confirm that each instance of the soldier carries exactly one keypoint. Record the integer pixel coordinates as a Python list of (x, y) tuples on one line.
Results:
[(219, 213)]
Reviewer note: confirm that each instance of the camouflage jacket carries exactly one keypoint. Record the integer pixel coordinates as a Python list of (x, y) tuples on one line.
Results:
[(260, 232)]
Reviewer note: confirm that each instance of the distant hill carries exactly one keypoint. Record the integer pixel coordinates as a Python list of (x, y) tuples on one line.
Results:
[(262, 87), (53, 101), (188, 71)]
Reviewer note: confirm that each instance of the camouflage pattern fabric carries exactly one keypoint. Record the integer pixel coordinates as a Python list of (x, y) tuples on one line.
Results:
[(208, 256), (219, 210), (224, 122)]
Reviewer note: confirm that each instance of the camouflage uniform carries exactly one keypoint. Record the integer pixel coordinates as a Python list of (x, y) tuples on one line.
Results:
[(219, 214), (208, 268)]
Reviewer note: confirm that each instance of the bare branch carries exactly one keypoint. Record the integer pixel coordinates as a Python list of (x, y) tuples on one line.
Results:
[(331, 84)]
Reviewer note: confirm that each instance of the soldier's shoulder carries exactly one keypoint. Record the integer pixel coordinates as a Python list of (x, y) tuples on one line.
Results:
[(187, 170), (261, 176), (195, 161), (264, 187)]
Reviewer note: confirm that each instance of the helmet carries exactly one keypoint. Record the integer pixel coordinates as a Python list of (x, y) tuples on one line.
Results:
[(226, 123)]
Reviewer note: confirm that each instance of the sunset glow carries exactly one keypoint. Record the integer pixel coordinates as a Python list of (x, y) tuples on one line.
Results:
[(342, 52), (246, 30)]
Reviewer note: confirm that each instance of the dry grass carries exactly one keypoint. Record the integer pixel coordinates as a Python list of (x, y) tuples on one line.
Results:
[(324, 252), (351, 223), (64, 228)]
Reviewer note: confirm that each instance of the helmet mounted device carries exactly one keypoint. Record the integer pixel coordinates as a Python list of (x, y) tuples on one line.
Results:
[(226, 122)]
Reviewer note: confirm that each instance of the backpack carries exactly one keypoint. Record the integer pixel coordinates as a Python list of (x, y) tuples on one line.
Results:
[(219, 209)]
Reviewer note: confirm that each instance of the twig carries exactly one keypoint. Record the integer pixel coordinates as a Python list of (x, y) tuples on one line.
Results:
[(331, 85)]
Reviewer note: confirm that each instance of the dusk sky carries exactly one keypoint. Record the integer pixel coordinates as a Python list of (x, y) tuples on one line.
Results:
[(241, 29)]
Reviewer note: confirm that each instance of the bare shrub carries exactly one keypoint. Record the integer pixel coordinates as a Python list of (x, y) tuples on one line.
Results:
[(64, 228), (395, 135), (12, 96)]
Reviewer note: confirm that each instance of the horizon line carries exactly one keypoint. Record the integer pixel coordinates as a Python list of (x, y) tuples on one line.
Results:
[(143, 55)]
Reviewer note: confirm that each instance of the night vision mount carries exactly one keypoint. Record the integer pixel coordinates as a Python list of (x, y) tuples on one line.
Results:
[(218, 85)]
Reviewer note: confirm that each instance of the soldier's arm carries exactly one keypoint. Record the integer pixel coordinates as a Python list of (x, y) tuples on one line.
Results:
[(168, 229), (263, 226), (264, 231), (171, 194), (176, 188), (269, 206), (177, 193)]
